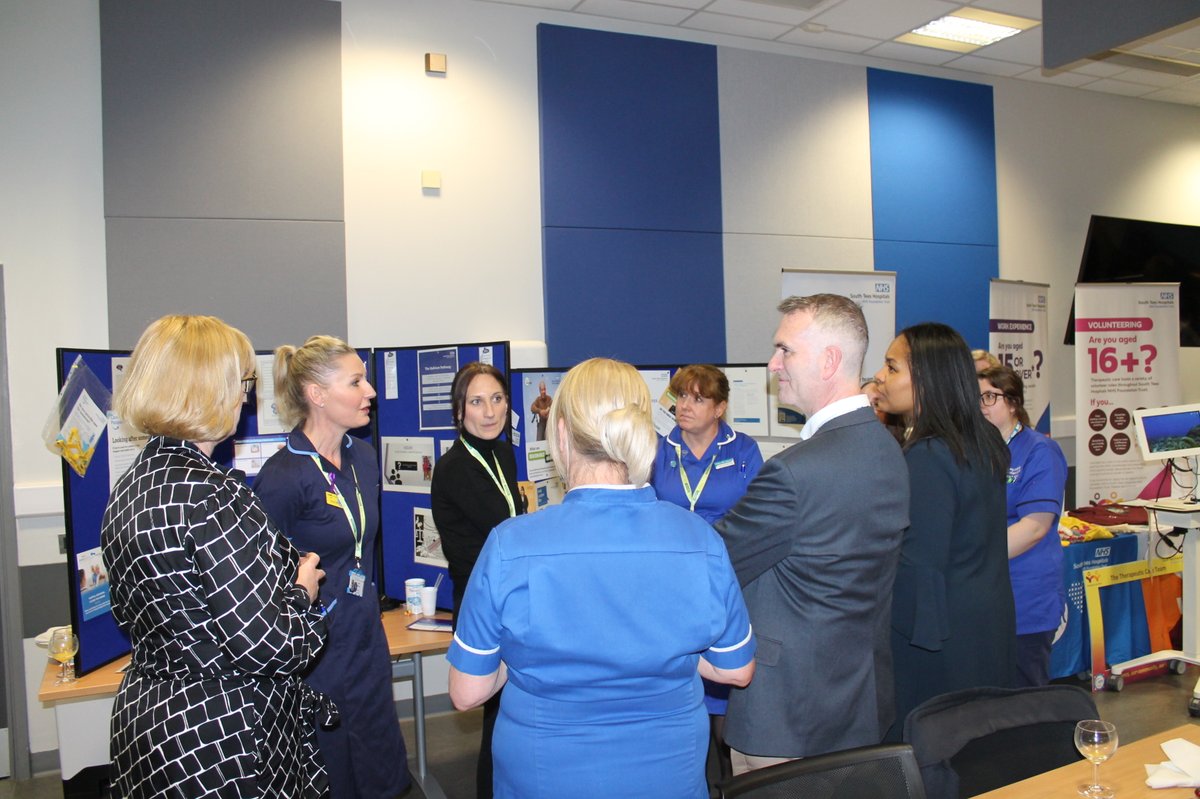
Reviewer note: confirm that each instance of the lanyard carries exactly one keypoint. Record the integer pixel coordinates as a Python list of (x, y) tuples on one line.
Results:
[(356, 530), (1013, 434), (692, 496), (499, 481)]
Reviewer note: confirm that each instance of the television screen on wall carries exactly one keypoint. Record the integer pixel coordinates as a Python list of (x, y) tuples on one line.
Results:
[(1134, 251)]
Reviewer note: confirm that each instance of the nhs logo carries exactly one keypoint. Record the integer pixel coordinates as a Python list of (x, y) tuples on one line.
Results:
[(1167, 295), (883, 288), (1103, 552)]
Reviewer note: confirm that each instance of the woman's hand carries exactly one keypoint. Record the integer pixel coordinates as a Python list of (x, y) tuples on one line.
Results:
[(308, 574)]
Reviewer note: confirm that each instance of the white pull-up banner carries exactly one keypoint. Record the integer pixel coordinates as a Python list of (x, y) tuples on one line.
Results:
[(875, 292), (1018, 335)]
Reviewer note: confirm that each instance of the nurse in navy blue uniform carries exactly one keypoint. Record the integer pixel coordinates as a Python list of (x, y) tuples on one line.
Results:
[(704, 466), (322, 490), (1037, 480)]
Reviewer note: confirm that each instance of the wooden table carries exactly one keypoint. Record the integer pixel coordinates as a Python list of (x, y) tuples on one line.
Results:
[(82, 708), (1125, 773)]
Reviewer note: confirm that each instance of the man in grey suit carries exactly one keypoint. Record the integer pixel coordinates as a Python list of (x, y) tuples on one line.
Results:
[(815, 542)]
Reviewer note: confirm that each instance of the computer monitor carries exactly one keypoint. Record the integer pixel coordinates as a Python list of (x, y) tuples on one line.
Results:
[(1170, 432)]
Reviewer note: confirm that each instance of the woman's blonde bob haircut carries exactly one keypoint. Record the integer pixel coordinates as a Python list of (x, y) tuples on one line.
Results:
[(185, 379), (605, 409), (315, 362)]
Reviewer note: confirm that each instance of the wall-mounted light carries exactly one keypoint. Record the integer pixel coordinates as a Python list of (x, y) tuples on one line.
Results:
[(435, 63)]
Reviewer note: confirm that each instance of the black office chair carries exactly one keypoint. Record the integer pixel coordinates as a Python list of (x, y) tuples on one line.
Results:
[(979, 739), (887, 771)]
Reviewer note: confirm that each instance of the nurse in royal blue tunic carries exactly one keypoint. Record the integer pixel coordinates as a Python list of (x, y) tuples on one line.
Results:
[(600, 615), (1037, 480), (322, 490)]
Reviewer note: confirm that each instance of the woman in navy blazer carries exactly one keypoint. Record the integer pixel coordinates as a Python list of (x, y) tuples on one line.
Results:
[(953, 623)]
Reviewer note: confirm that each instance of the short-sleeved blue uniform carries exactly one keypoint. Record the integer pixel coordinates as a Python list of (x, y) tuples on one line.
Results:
[(1037, 478), (365, 753), (601, 608), (735, 459)]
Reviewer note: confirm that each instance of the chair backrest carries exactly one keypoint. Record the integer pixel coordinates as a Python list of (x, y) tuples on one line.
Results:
[(887, 771), (972, 741)]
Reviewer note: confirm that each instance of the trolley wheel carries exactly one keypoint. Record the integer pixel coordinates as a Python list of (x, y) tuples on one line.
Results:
[(1118, 682), (1098, 682), (1179, 666), (1194, 706)]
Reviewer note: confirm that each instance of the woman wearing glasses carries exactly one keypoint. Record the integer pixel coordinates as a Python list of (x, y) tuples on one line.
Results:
[(218, 605), (1037, 478), (322, 490), (953, 623)]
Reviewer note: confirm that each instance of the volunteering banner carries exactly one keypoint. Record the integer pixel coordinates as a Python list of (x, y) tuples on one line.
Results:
[(1018, 334), (875, 292), (1126, 357)]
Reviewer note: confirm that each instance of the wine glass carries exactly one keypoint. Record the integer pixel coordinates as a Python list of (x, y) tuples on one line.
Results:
[(1097, 741), (63, 646)]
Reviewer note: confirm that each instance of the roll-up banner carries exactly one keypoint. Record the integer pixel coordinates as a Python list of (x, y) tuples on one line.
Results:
[(1126, 357), (1018, 334), (875, 292)]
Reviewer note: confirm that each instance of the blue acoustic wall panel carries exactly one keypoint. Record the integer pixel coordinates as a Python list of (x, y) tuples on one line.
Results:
[(933, 190), (631, 197), (633, 295)]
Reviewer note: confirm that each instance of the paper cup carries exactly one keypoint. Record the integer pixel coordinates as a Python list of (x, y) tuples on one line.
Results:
[(428, 600), (412, 595)]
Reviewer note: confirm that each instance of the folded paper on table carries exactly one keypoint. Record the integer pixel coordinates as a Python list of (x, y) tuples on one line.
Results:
[(1181, 771)]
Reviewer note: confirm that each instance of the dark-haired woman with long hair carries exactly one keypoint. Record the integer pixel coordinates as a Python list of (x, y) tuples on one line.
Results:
[(953, 623)]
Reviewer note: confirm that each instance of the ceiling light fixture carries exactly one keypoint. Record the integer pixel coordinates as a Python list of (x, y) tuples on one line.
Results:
[(967, 30)]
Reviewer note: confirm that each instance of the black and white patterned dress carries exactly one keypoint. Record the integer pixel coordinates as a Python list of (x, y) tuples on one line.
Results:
[(212, 705)]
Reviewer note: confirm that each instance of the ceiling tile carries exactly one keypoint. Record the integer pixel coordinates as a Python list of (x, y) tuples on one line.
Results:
[(1175, 96), (737, 26), (1120, 87), (1150, 78), (560, 5), (1030, 9), (1024, 48), (883, 19), (829, 40), (1057, 78), (766, 11), (1188, 38), (1097, 69), (987, 66), (912, 53), (639, 12)]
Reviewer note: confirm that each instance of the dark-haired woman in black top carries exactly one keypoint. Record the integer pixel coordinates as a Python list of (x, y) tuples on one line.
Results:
[(474, 488), (953, 623)]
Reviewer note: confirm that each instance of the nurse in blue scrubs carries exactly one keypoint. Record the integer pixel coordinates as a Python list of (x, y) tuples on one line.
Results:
[(1037, 479), (322, 491), (704, 465)]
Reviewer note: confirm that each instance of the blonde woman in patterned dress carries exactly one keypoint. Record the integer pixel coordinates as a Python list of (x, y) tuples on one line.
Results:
[(218, 605)]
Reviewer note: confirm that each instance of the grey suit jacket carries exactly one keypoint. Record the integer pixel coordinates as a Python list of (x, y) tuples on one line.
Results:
[(815, 542)]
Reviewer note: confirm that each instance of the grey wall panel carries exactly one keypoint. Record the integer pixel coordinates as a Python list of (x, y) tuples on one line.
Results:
[(44, 598), (278, 281), (1075, 29), (222, 108)]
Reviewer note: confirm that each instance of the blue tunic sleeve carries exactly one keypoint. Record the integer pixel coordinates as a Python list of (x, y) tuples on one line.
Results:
[(476, 645), (735, 644)]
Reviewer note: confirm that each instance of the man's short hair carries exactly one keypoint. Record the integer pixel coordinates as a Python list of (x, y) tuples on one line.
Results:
[(839, 318)]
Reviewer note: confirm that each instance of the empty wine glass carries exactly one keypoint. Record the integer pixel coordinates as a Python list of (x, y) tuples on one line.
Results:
[(63, 646), (1097, 741)]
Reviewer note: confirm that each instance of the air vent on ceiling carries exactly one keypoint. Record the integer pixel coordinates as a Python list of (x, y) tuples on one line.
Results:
[(1168, 66)]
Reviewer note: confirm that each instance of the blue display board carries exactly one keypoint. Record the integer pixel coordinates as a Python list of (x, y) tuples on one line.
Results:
[(85, 499), (416, 426)]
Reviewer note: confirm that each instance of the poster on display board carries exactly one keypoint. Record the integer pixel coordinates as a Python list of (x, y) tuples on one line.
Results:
[(875, 292), (1018, 334), (1126, 357)]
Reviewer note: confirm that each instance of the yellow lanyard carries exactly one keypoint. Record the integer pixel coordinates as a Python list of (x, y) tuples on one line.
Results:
[(687, 484), (356, 530), (500, 482)]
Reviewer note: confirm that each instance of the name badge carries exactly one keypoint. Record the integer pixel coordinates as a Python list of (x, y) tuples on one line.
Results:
[(357, 580), (724, 463), (332, 499)]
